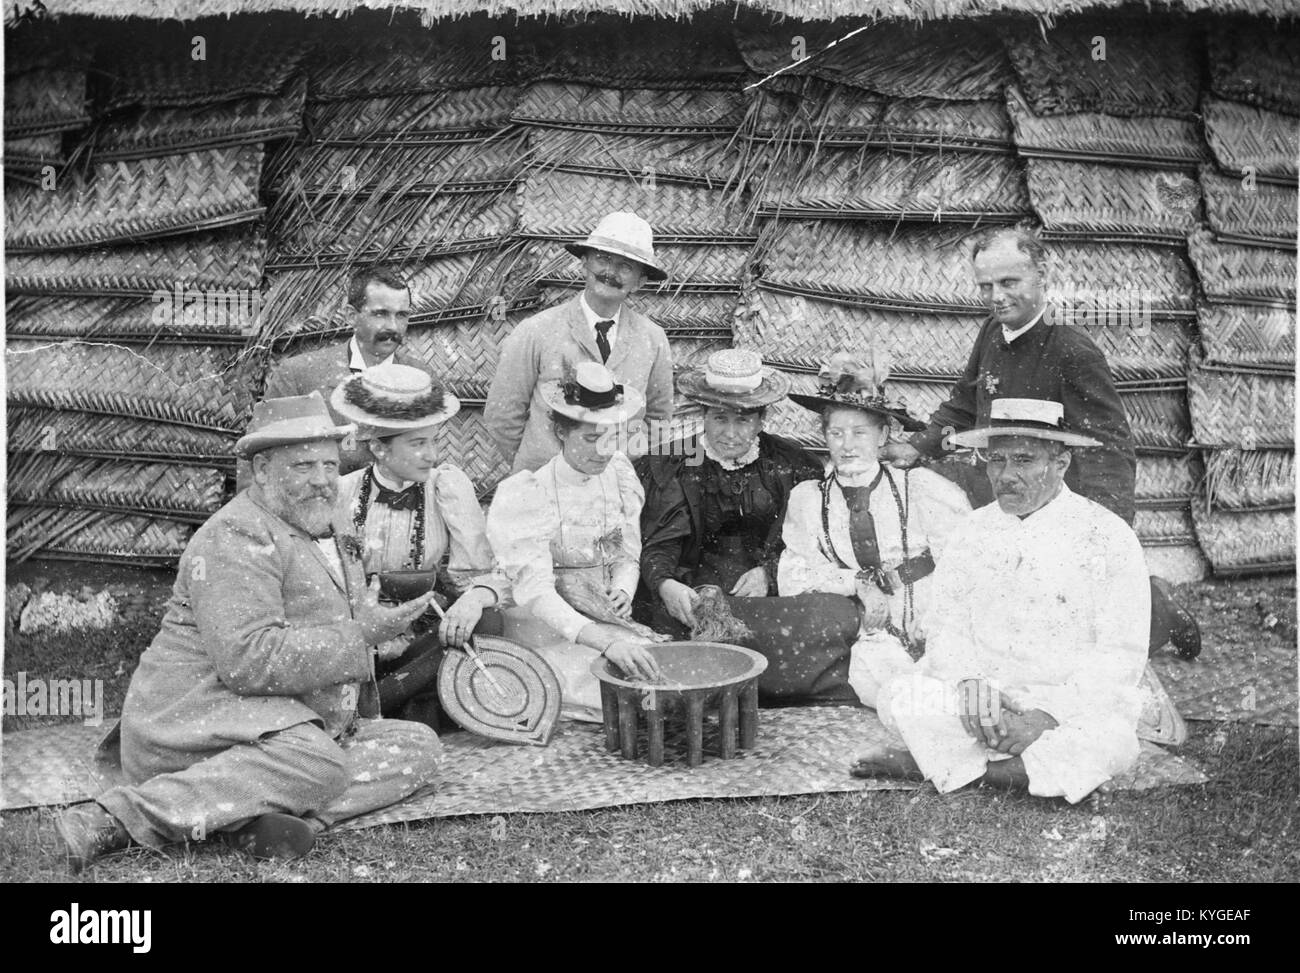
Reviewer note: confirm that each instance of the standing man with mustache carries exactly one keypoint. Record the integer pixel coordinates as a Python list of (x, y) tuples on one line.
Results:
[(1028, 350), (380, 303), (617, 258)]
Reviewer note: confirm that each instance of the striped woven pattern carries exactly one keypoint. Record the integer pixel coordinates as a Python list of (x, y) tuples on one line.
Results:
[(1093, 136), (88, 434), (133, 200), (317, 176), (690, 267), (163, 131), (1242, 334), (31, 154), (694, 352), (1264, 213), (206, 386), (53, 479), (180, 312), (426, 116), (1167, 478), (1157, 414), (457, 55), (709, 160), (210, 260), (927, 268), (1241, 479), (1105, 200), (687, 314), (463, 353), (571, 105), (1164, 526), (934, 60), (870, 183), (1143, 73), (1240, 408), (1241, 542), (90, 535), (1242, 137), (464, 440), (1257, 63), (1232, 272), (565, 204), (789, 109), (45, 101)]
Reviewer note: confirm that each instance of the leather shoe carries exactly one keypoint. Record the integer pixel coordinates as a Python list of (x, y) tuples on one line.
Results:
[(89, 833), (275, 836)]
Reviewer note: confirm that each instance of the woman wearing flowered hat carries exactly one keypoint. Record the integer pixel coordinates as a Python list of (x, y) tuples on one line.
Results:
[(866, 531), (568, 537), (411, 513)]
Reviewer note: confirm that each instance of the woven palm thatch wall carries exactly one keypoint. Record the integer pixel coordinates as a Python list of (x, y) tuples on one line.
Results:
[(799, 205)]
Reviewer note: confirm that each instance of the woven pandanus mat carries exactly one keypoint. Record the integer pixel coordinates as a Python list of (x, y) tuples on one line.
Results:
[(1167, 476), (137, 199), (463, 353), (1157, 414), (1164, 526), (1148, 140), (169, 489), (221, 261), (315, 176), (1247, 335), (1241, 479), (158, 67), (706, 316), (1247, 541), (568, 205), (1235, 272), (934, 60), (691, 267), (39, 102), (94, 535), (464, 440), (572, 105), (32, 154), (705, 159), (412, 117), (1256, 212), (1234, 683), (795, 331), (803, 109), (1143, 72), (34, 429), (1243, 137), (806, 181), (692, 352), (163, 131), (383, 228), (1257, 63), (1236, 408), (206, 386), (1113, 201), (182, 315)]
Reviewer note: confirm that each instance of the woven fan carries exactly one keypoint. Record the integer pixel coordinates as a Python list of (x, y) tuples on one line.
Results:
[(1247, 335), (1232, 272), (572, 105), (1232, 408), (1242, 213), (1247, 542), (503, 691), (1244, 137), (1113, 202)]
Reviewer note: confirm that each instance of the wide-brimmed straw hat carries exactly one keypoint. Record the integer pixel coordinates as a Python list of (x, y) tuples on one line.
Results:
[(590, 394), (287, 421), (1034, 418), (388, 399), (858, 381), (626, 235), (734, 378)]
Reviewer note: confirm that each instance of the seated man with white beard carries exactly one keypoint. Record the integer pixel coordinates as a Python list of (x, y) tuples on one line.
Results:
[(246, 713), (1038, 631)]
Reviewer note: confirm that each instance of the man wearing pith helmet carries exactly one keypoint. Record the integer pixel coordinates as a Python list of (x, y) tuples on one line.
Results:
[(598, 326)]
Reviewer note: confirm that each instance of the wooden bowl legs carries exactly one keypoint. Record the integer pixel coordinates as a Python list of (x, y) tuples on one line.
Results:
[(621, 709)]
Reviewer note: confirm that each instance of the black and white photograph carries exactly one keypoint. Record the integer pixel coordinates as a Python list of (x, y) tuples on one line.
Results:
[(651, 441)]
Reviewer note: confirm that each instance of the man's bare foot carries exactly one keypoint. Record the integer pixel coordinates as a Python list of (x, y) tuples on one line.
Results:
[(1099, 800), (887, 762), (1007, 774)]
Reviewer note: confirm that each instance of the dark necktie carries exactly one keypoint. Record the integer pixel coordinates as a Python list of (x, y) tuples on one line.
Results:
[(407, 499), (602, 338)]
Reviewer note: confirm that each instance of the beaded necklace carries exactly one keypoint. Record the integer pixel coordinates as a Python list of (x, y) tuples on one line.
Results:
[(363, 508)]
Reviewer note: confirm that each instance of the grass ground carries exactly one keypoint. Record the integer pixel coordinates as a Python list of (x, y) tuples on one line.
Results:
[(1244, 825)]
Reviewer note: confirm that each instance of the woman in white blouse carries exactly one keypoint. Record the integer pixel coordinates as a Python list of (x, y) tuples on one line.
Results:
[(568, 537), (410, 513), (866, 531)]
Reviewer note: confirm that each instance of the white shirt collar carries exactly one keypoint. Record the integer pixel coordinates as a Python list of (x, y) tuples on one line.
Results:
[(388, 484), (592, 317), (1010, 336), (357, 362), (859, 479), (740, 462)]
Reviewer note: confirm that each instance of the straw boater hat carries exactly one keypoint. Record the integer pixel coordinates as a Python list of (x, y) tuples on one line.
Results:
[(389, 399), (1034, 418), (859, 382), (287, 421), (733, 378), (591, 395), (626, 235)]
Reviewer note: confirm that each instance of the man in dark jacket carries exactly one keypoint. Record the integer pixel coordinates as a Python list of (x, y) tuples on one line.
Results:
[(1027, 350)]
